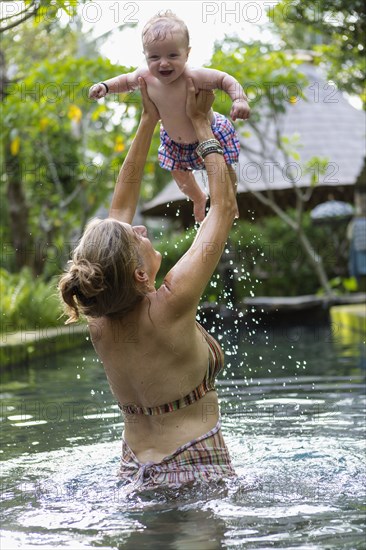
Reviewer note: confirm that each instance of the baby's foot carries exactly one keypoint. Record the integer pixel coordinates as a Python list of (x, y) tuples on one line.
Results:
[(199, 208)]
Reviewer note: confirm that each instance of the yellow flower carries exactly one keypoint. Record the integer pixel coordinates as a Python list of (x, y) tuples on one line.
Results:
[(15, 146), (150, 167), (43, 123), (98, 111), (293, 99), (74, 113), (119, 145)]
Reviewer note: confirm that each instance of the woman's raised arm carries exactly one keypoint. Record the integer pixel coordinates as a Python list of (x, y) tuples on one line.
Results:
[(187, 280), (127, 189)]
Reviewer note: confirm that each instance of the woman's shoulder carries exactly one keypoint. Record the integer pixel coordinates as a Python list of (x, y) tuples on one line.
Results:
[(158, 309), (99, 328), (165, 305)]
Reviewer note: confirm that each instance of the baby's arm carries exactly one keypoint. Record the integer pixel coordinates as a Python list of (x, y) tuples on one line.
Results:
[(119, 84), (214, 79)]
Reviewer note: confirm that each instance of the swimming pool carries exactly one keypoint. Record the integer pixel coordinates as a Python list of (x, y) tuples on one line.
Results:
[(293, 405)]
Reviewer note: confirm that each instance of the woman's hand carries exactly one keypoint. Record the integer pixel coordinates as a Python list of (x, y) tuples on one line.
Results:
[(198, 105), (149, 107)]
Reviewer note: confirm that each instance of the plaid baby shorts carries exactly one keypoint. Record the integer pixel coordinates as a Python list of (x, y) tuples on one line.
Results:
[(183, 156)]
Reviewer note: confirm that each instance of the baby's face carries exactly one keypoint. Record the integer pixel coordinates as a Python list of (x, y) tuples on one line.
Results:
[(166, 58)]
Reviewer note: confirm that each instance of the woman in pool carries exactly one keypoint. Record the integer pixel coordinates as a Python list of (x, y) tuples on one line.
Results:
[(160, 363)]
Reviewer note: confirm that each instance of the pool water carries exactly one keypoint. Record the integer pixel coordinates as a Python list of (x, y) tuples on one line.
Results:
[(293, 405)]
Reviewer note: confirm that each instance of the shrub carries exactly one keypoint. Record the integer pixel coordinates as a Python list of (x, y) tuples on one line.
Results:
[(275, 261), (265, 259), (28, 302)]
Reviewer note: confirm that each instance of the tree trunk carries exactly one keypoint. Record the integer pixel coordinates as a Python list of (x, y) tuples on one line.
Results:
[(20, 236), (18, 212), (3, 78), (315, 259)]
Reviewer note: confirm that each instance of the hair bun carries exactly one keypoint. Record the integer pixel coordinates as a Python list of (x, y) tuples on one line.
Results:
[(88, 279)]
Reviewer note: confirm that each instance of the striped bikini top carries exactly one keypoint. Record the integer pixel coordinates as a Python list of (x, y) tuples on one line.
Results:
[(215, 364)]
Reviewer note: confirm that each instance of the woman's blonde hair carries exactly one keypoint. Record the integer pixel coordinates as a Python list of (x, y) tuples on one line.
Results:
[(158, 27), (99, 281)]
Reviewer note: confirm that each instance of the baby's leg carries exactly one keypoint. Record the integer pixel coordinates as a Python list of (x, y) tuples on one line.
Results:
[(188, 185), (234, 182)]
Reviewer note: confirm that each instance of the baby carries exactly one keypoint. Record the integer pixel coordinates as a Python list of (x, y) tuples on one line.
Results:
[(165, 41)]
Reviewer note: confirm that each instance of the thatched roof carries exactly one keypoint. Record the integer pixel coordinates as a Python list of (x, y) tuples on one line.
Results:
[(327, 125)]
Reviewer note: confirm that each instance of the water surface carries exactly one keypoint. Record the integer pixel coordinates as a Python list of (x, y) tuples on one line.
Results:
[(293, 405)]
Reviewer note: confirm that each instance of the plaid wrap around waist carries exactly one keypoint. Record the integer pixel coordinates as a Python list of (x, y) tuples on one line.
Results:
[(205, 458)]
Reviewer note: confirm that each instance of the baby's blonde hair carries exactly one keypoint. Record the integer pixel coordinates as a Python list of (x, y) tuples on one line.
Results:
[(160, 25)]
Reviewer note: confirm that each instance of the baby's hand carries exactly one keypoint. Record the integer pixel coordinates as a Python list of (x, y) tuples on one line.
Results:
[(240, 109), (97, 91)]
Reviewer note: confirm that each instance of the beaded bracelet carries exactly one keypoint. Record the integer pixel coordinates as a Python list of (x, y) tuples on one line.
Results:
[(207, 144)]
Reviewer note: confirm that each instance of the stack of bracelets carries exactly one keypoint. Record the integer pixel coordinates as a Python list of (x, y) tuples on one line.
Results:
[(209, 146)]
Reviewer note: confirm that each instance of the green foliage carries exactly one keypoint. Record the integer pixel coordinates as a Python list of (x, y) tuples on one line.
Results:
[(28, 302), (316, 166), (334, 29), (63, 149), (265, 259), (36, 10), (273, 263), (172, 249), (68, 151), (276, 80), (342, 285), (272, 255), (53, 132), (269, 77)]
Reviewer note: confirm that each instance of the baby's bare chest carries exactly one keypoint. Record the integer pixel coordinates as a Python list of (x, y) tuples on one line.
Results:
[(169, 98)]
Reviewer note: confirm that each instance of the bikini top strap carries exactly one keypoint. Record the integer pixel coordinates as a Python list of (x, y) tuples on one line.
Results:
[(216, 356), (215, 364), (193, 396)]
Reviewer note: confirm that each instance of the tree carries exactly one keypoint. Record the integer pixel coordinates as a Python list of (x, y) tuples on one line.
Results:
[(62, 151), (265, 74), (335, 29), (14, 14)]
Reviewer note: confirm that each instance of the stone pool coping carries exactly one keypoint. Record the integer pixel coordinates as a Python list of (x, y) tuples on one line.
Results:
[(18, 348)]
